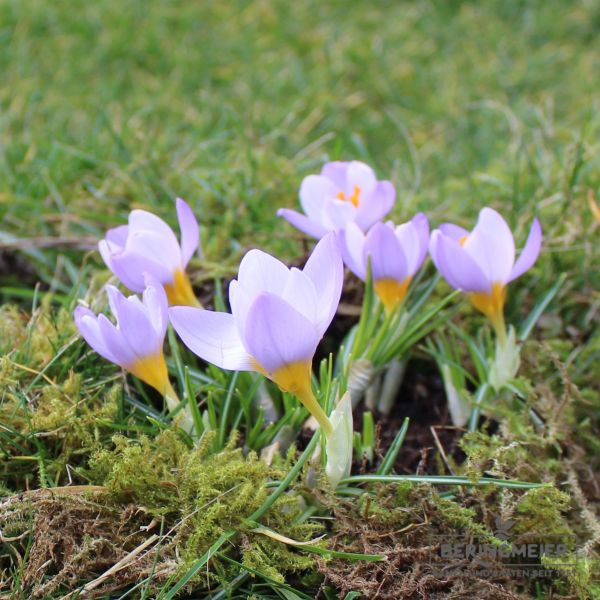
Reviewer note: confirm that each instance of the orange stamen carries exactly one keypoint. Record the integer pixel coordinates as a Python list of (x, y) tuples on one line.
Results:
[(354, 198)]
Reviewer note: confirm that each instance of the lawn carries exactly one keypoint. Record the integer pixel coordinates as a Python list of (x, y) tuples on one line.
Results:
[(108, 106)]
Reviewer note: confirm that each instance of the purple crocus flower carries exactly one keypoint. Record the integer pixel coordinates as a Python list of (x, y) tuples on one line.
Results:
[(396, 253), (278, 317), (135, 342), (482, 262), (147, 245), (344, 192)]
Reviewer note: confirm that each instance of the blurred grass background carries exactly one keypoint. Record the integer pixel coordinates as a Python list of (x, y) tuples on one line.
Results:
[(107, 105)]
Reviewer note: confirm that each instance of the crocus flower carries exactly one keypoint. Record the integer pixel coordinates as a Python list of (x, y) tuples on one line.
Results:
[(148, 246), (396, 253), (278, 317), (344, 192), (135, 342), (482, 262)]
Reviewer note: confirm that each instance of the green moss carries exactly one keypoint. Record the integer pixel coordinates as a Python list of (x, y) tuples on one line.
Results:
[(541, 513), (202, 495)]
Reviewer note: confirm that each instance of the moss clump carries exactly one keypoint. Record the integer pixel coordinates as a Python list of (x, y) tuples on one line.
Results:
[(541, 512), (202, 495)]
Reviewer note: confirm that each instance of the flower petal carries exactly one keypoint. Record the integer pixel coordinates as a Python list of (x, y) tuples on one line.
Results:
[(362, 176), (130, 269), (190, 232), (453, 231), (387, 256), (116, 344), (87, 324), (118, 235), (156, 303), (530, 251), (338, 213), (336, 171), (277, 334), (457, 266), (155, 248), (325, 269), (261, 272), (137, 328), (300, 293), (211, 335), (377, 206), (302, 222), (413, 238), (352, 241), (314, 191), (492, 246)]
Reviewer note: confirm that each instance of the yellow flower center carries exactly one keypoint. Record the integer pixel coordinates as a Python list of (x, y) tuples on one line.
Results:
[(391, 292), (492, 305), (295, 378), (179, 292), (463, 240), (354, 198), (153, 371)]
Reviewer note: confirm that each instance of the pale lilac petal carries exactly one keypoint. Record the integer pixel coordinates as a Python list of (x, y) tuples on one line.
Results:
[(421, 223), (142, 221), (453, 231), (492, 246), (315, 190), (530, 251), (302, 222), (107, 249), (336, 171), (114, 295), (118, 235), (136, 327), (156, 303), (240, 301), (277, 334), (116, 344), (190, 232), (362, 176), (456, 265), (387, 257), (130, 269), (211, 335), (338, 213), (162, 250), (352, 241), (87, 324), (300, 293), (325, 269), (414, 237), (375, 208), (261, 272)]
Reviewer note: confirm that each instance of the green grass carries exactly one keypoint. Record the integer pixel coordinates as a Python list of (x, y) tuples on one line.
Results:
[(107, 105)]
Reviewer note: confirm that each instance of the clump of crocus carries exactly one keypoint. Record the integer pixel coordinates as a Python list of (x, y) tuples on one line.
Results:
[(482, 262), (344, 192), (147, 245), (135, 342), (278, 317), (396, 253)]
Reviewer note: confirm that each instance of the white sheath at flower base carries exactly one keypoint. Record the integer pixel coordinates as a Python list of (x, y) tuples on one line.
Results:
[(506, 361), (339, 443)]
